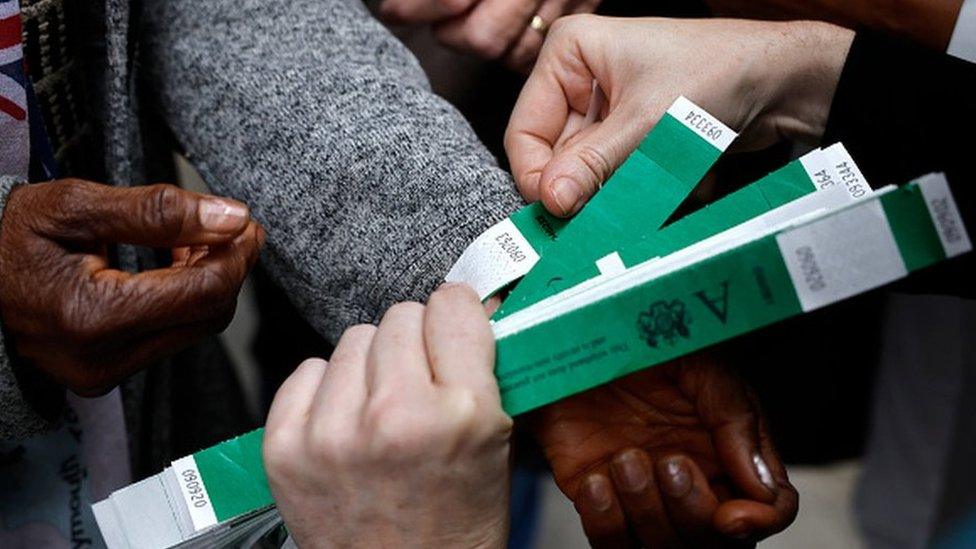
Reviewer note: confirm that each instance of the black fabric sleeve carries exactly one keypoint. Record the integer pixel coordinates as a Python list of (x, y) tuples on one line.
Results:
[(903, 111)]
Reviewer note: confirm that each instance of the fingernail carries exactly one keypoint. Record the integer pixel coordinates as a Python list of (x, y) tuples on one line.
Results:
[(739, 530), (631, 471), (568, 195), (677, 479), (222, 215), (597, 490), (763, 471)]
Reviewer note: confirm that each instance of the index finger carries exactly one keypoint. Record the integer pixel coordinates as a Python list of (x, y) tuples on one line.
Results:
[(753, 520), (758, 519), (460, 344), (123, 302), (559, 84), (162, 216)]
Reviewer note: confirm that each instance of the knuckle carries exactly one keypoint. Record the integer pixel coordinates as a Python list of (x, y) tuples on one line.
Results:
[(595, 161), (570, 24), (404, 309), (355, 339), (475, 419), (561, 26), (453, 293), (504, 429), (472, 413), (70, 191), (463, 404), (279, 453), (381, 410), (69, 204), (163, 210), (220, 282), (506, 426), (486, 43), (361, 332), (324, 447), (315, 363), (391, 431), (501, 423)]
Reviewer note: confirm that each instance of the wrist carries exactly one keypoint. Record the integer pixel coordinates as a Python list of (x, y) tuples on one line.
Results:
[(806, 63)]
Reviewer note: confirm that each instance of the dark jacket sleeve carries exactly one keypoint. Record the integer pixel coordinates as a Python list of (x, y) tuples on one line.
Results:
[(368, 184), (904, 111)]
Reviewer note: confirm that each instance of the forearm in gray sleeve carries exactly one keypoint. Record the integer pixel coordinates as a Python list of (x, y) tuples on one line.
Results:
[(368, 184)]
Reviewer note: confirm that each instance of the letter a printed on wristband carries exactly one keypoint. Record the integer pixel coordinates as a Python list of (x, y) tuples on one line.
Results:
[(712, 291)]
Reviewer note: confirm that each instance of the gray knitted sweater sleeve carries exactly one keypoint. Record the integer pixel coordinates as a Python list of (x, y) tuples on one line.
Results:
[(18, 418), (369, 185)]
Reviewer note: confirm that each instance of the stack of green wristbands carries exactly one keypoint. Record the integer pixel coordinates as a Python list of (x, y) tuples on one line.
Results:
[(614, 291)]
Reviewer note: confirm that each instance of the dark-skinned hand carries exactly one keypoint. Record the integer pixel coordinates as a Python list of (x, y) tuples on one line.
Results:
[(674, 456), (87, 326)]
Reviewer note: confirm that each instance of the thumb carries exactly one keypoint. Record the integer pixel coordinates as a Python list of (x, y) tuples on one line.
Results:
[(581, 166), (728, 410), (162, 216)]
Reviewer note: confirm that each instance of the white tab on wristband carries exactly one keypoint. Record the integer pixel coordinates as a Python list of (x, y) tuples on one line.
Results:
[(195, 495), (610, 264), (818, 169), (706, 126), (846, 172), (499, 256), (945, 214)]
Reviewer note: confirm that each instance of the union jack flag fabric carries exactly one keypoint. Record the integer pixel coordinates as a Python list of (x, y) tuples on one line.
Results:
[(24, 149), (14, 124)]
